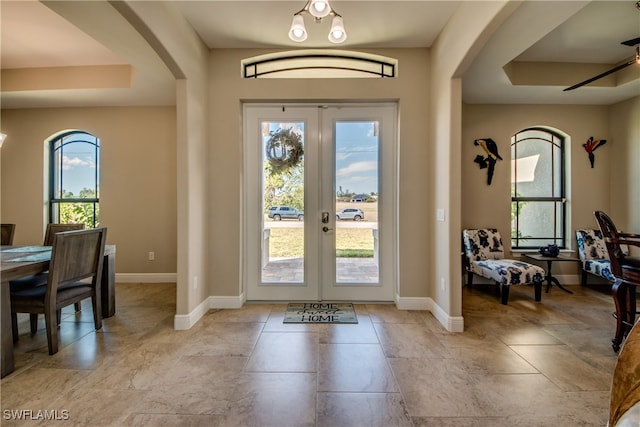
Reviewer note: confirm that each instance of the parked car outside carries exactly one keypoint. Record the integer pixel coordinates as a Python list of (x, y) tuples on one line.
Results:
[(350, 213), (277, 213)]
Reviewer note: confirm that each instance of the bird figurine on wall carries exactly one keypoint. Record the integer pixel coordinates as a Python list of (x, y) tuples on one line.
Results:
[(591, 145), (491, 149)]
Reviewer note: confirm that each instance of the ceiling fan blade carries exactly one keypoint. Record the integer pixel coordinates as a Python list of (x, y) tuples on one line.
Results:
[(631, 42), (599, 76)]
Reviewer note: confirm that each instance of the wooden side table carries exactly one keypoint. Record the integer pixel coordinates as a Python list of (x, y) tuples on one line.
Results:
[(549, 260)]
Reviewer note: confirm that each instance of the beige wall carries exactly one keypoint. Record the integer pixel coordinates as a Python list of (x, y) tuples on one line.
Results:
[(624, 131), (454, 48), (137, 185), (588, 189), (185, 55), (228, 91)]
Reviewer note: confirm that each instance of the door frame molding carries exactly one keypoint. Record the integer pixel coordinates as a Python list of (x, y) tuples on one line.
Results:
[(386, 114), (388, 185)]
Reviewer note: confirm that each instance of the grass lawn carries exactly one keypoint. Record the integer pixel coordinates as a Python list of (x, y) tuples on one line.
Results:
[(350, 242)]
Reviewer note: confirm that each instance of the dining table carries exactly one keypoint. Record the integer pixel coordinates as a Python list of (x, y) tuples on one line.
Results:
[(22, 261)]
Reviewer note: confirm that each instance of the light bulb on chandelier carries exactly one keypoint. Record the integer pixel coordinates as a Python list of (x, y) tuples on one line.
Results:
[(318, 9), (298, 33)]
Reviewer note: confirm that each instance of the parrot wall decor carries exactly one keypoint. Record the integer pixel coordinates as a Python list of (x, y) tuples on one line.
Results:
[(489, 162), (591, 145)]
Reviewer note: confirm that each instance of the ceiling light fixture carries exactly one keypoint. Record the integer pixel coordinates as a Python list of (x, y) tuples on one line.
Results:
[(318, 9)]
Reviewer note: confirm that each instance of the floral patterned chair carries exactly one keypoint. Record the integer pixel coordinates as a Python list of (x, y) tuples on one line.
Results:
[(484, 255), (593, 254)]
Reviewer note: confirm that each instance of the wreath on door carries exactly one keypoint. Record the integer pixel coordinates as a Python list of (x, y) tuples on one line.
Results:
[(284, 150)]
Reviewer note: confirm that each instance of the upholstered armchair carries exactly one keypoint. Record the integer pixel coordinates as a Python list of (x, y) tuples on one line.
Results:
[(484, 255), (593, 254)]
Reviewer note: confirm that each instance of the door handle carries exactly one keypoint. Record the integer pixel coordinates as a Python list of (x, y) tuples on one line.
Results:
[(325, 229)]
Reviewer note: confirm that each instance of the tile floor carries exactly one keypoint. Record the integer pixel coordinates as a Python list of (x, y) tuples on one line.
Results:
[(525, 364)]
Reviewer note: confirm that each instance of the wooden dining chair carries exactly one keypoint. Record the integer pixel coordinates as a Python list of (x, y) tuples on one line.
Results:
[(41, 279), (6, 235), (626, 273), (52, 229), (76, 256)]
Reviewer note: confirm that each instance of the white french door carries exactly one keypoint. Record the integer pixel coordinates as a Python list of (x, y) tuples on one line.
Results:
[(319, 202)]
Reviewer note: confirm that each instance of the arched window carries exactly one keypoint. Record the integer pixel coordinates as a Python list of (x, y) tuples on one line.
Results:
[(538, 202), (74, 178)]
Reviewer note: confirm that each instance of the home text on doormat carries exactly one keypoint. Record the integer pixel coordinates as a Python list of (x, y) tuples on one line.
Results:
[(320, 312)]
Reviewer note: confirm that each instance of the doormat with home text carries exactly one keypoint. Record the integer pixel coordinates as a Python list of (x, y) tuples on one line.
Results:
[(320, 312)]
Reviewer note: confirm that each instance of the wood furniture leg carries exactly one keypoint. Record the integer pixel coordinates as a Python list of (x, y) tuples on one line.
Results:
[(538, 291), (470, 279), (108, 287), (620, 292), (552, 280), (505, 294), (630, 317), (6, 336)]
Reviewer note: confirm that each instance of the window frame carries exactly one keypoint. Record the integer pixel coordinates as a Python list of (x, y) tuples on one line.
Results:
[(57, 142), (559, 202)]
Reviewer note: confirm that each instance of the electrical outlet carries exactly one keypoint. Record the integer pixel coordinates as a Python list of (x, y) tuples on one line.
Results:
[(152, 256), (442, 284), (440, 214), (195, 282)]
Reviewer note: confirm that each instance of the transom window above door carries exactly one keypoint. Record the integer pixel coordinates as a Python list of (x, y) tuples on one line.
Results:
[(319, 63)]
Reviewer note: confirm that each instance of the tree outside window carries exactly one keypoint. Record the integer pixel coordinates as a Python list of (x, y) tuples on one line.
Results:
[(74, 179)]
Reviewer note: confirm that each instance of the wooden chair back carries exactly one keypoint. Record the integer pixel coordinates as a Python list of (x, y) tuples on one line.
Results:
[(76, 255), (7, 232), (611, 240), (52, 229)]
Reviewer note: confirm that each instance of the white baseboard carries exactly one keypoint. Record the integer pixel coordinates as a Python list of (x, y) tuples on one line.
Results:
[(186, 321), (233, 302), (413, 303), (451, 324), (183, 322), (146, 278)]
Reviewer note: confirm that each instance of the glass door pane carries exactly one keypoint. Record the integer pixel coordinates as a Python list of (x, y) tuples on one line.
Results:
[(283, 233), (319, 202), (358, 189), (280, 203), (356, 201)]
